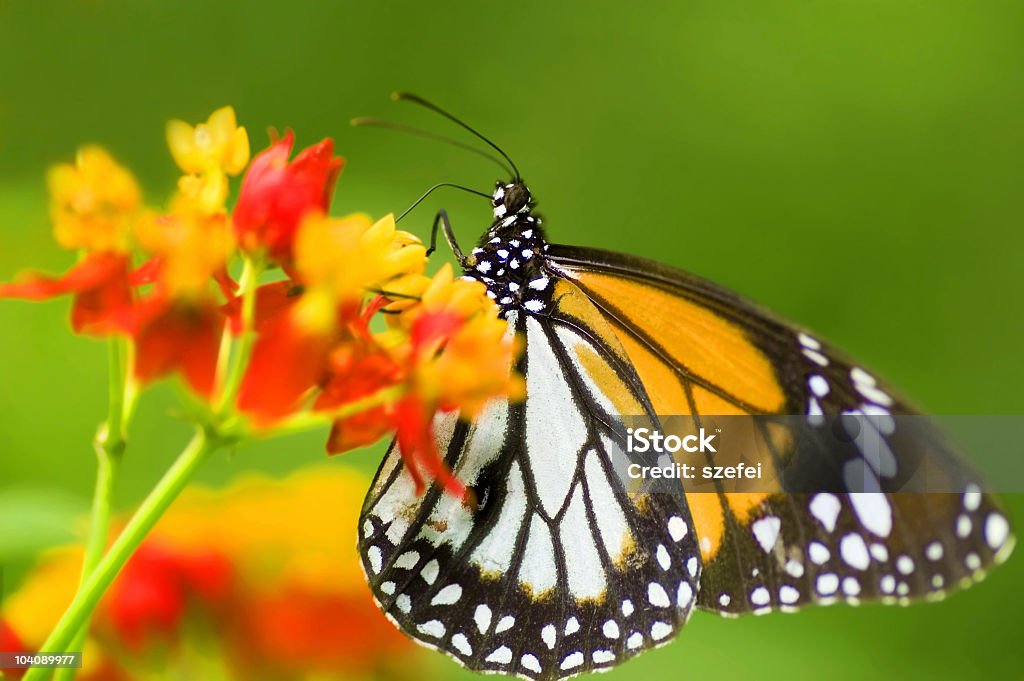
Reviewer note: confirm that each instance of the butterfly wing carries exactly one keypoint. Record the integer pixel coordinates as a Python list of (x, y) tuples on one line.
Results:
[(558, 570), (848, 533)]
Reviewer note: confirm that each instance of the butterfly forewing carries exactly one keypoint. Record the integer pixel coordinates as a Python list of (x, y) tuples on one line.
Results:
[(558, 570), (838, 523)]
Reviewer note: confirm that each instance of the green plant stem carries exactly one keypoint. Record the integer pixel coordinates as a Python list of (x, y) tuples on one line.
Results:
[(109, 445), (145, 518), (233, 368)]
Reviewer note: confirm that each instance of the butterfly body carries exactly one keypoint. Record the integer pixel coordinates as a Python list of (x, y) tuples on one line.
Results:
[(561, 569), (510, 257)]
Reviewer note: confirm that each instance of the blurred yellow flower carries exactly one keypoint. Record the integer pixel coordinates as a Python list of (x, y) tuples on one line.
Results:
[(93, 202), (219, 145), (193, 247)]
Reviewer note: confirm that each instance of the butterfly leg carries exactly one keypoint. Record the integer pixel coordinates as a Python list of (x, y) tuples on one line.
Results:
[(441, 220)]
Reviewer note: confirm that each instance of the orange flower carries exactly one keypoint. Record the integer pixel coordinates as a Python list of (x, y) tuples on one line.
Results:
[(459, 355), (339, 262), (260, 577), (277, 194), (94, 202), (99, 284)]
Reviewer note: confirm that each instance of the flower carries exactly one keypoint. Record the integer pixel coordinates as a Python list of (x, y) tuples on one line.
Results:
[(459, 355), (154, 589), (260, 575), (277, 194), (219, 145), (93, 202), (99, 284), (208, 153), (339, 261), (10, 643)]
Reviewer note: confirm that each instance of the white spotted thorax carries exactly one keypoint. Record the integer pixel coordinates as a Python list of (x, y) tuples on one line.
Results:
[(509, 257)]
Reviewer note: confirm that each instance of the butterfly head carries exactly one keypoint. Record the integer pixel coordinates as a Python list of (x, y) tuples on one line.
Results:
[(511, 199)]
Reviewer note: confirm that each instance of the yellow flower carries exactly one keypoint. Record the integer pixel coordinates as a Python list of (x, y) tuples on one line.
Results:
[(206, 193), (341, 259), (93, 202), (193, 246), (220, 145)]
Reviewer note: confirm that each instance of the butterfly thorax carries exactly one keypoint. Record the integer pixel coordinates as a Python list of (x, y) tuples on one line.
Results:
[(509, 258)]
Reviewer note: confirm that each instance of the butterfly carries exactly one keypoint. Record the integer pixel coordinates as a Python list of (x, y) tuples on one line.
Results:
[(560, 568)]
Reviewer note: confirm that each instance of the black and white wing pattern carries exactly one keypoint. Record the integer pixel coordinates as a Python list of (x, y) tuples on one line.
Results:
[(559, 570)]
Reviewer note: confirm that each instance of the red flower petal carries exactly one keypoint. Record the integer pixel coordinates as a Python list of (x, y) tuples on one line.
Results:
[(296, 633), (209, 575), (101, 287), (276, 194), (286, 363), (147, 273), (432, 328), (272, 302), (359, 430), (11, 643), (148, 598), (178, 337), (416, 440)]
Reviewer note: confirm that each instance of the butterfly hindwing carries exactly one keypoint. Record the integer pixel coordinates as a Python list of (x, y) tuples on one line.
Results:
[(558, 570)]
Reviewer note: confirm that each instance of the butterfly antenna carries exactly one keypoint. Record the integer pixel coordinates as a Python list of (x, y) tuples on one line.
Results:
[(431, 191), (416, 99), (388, 125)]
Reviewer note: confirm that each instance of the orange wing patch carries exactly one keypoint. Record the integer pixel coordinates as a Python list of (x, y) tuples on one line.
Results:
[(696, 338)]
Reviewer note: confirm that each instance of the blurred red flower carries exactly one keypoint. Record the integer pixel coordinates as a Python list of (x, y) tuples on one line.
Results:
[(276, 194)]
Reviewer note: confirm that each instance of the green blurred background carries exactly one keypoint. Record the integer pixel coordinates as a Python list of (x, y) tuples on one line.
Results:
[(854, 165)]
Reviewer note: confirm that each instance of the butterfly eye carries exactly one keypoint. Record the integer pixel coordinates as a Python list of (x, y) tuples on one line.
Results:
[(517, 198)]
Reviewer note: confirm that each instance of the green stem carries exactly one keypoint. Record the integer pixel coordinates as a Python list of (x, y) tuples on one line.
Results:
[(248, 283), (149, 512), (109, 445)]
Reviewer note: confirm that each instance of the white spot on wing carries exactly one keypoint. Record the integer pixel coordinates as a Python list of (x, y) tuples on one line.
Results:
[(572, 661), (531, 663), (502, 655), (461, 644), (996, 531), (482, 617), (448, 595), (547, 634), (657, 596), (825, 508), (376, 558), (766, 530), (854, 551), (676, 528), (873, 511), (433, 628)]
